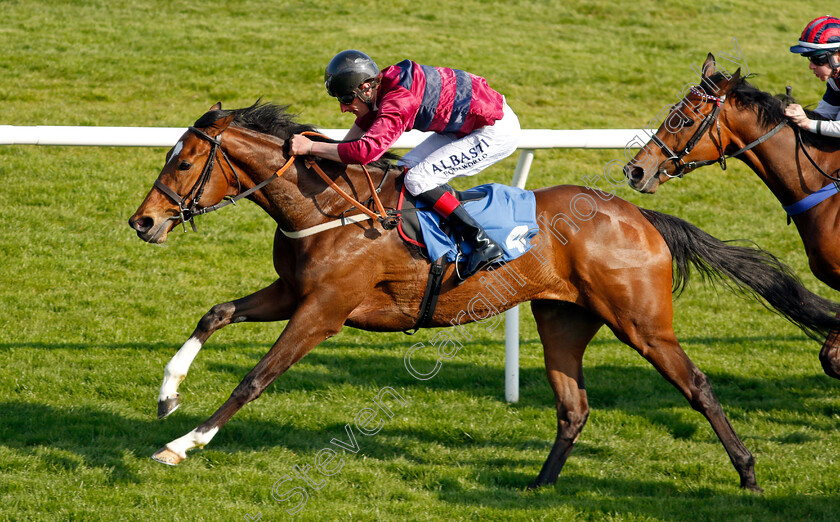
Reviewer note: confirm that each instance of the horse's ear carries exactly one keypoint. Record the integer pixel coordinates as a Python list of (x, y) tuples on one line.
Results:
[(216, 107), (732, 81), (709, 66), (221, 124)]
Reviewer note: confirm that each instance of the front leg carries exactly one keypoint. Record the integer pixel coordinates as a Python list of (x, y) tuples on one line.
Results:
[(273, 303), (312, 323)]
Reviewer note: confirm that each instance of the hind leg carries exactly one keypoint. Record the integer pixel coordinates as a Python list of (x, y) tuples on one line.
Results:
[(660, 347), (565, 330), (824, 266), (273, 303), (830, 354)]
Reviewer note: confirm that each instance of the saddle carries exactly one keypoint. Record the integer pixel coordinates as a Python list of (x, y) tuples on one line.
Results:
[(408, 219), (507, 213)]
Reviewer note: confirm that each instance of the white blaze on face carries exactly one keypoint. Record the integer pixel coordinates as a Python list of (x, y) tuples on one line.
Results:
[(176, 150)]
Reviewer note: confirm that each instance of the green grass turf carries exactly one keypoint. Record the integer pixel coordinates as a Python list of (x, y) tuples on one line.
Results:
[(90, 314)]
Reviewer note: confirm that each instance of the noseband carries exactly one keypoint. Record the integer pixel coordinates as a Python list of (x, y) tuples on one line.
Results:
[(681, 166)]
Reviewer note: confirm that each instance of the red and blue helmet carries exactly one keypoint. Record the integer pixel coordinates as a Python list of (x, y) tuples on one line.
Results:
[(821, 35)]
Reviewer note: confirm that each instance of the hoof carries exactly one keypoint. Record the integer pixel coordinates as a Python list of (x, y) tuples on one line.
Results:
[(537, 484), (831, 367), (168, 457), (830, 355), (166, 407), (754, 488)]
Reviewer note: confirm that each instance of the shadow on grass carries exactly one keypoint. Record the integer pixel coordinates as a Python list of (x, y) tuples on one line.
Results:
[(610, 498), (102, 439), (105, 440), (608, 385)]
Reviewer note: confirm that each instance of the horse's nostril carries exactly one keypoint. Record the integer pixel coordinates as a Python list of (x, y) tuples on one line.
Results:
[(141, 224), (634, 173)]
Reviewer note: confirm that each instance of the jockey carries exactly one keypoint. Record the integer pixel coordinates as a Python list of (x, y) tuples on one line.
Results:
[(473, 128), (820, 43)]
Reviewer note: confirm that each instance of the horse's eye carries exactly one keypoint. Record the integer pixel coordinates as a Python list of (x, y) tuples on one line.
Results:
[(688, 123), (184, 165)]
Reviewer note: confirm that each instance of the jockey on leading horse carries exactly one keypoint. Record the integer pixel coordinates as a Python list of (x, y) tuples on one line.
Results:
[(473, 129), (820, 43)]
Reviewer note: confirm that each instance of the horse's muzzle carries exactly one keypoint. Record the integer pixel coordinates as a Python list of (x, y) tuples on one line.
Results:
[(636, 179), (148, 230)]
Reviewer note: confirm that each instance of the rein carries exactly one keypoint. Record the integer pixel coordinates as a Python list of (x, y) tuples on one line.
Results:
[(796, 132), (187, 213), (373, 190), (713, 116)]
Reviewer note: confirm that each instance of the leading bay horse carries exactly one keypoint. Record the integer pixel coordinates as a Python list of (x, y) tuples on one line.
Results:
[(724, 116), (596, 260)]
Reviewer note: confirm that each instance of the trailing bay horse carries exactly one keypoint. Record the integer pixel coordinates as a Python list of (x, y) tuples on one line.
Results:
[(596, 260), (726, 117)]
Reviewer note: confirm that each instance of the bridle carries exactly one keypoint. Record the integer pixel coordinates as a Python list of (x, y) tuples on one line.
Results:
[(677, 158), (187, 213)]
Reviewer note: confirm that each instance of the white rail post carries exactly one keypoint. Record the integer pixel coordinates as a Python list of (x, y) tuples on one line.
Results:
[(520, 176)]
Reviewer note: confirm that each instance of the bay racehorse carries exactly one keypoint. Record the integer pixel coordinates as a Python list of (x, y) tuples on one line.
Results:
[(596, 260), (723, 117)]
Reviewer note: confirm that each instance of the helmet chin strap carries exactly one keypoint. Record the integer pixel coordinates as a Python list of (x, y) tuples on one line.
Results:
[(367, 95)]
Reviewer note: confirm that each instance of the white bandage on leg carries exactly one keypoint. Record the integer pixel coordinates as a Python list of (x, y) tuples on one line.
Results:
[(177, 368)]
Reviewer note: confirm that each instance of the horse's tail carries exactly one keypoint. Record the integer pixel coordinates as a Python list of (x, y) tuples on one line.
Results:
[(749, 271)]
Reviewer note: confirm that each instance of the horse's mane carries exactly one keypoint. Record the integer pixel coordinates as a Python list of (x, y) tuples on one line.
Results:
[(275, 120), (769, 108)]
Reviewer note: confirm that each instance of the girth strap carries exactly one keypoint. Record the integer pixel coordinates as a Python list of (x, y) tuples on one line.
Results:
[(430, 297)]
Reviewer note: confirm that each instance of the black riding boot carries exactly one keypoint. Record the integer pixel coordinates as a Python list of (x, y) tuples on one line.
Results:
[(485, 251)]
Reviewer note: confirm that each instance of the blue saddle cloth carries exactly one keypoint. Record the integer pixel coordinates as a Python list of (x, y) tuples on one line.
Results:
[(508, 215)]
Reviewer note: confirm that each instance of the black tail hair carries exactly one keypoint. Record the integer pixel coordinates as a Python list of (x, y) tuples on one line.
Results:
[(748, 271)]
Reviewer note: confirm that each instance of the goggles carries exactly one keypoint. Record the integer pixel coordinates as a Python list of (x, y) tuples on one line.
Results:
[(346, 99), (823, 57), (364, 95), (819, 59)]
